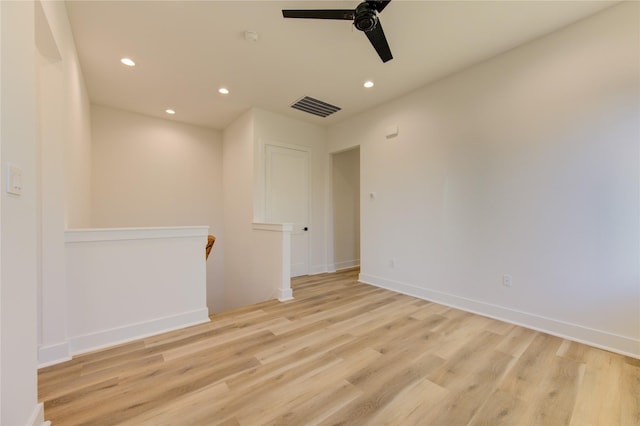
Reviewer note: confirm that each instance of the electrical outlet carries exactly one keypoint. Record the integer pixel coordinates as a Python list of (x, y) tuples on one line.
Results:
[(507, 280)]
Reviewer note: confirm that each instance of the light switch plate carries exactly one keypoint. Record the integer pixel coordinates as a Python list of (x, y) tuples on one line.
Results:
[(14, 179)]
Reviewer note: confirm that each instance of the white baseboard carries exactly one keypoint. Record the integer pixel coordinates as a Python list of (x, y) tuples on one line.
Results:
[(318, 269), (37, 416), (285, 294), (115, 336), (597, 338), (53, 354), (333, 267), (346, 264)]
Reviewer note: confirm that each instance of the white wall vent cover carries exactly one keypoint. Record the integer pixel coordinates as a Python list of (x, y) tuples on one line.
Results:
[(315, 107)]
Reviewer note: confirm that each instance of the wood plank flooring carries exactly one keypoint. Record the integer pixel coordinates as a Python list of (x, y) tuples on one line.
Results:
[(345, 353)]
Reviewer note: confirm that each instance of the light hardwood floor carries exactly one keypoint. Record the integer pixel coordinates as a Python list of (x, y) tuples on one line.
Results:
[(345, 353)]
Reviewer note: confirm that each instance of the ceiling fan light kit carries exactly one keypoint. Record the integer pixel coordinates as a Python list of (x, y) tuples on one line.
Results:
[(364, 17)]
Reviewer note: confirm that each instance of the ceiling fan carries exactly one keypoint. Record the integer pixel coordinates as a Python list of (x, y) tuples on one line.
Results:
[(364, 17)]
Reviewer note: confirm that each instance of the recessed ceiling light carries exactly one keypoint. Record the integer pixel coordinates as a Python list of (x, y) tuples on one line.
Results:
[(223, 91), (128, 62), (169, 111), (368, 84)]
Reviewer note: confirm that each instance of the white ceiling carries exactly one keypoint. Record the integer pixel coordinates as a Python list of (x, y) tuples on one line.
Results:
[(186, 50)]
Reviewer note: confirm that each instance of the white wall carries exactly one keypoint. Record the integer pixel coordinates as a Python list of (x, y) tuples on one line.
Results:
[(64, 162), (246, 260), (150, 172), (76, 121), (526, 164), (18, 265), (1, 291), (346, 208), (274, 128), (129, 283), (237, 181)]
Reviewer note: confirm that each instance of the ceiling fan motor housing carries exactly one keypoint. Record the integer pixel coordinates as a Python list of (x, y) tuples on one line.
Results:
[(365, 17)]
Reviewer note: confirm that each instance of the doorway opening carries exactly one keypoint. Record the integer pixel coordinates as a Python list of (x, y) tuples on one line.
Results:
[(346, 209)]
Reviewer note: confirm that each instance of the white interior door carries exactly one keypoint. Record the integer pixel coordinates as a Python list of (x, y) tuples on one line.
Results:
[(287, 199)]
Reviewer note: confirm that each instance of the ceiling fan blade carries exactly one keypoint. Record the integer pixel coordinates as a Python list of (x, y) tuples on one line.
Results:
[(381, 4), (343, 14), (379, 42)]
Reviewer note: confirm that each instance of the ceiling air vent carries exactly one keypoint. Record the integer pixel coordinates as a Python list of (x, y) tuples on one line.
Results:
[(315, 107)]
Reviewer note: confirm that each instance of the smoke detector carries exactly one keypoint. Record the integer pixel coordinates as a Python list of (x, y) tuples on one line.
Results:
[(251, 36)]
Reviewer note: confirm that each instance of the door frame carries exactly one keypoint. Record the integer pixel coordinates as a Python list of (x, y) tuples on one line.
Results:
[(331, 204)]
